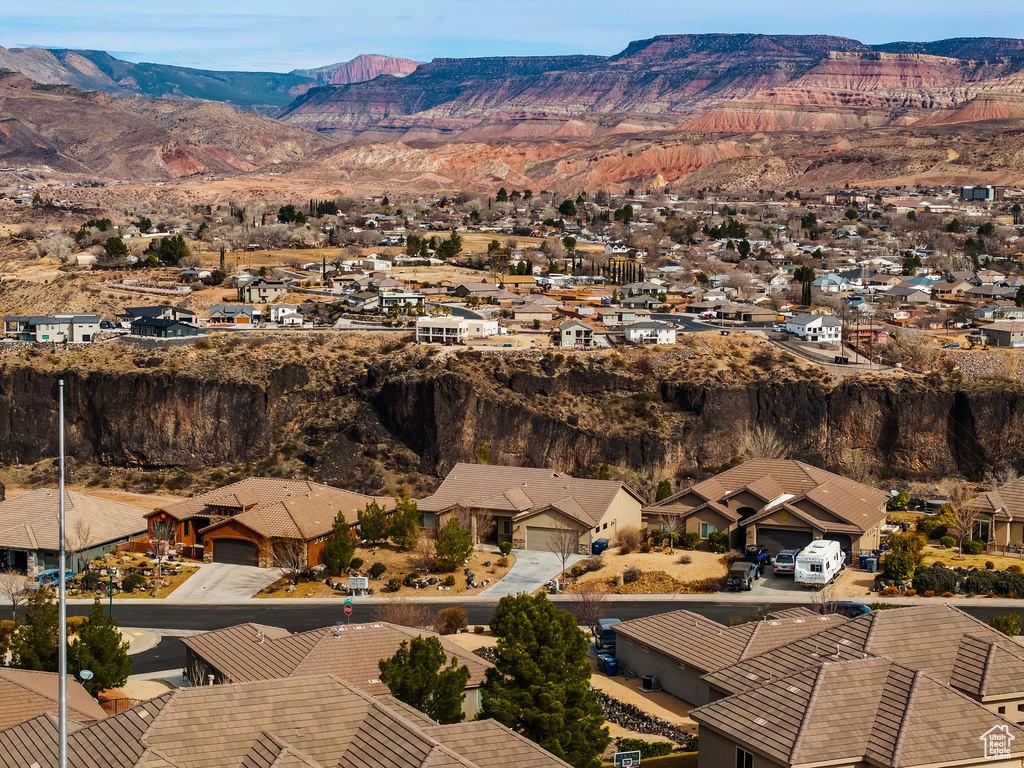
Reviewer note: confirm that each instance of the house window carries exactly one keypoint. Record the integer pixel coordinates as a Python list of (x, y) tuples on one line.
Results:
[(507, 527), (744, 759), (706, 529), (605, 527), (1002, 710), (184, 528)]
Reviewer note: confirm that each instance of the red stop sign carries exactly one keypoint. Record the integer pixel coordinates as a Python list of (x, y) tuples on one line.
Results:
[(348, 610)]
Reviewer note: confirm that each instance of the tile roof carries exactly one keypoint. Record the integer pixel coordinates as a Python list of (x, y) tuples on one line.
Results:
[(25, 694), (927, 637), (1006, 501), (302, 722), (29, 521), (249, 652), (870, 709), (523, 491), (276, 507), (707, 645)]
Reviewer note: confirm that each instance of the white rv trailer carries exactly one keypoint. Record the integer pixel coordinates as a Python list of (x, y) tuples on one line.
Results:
[(818, 563)]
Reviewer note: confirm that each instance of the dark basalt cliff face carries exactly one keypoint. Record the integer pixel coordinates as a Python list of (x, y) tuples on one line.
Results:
[(426, 416)]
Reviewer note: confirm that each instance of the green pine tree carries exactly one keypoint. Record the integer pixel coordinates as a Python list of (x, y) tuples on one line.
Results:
[(452, 546), (35, 644), (373, 522), (602, 473), (102, 650), (417, 675), (405, 521), (664, 490), (483, 453), (540, 684), (339, 546)]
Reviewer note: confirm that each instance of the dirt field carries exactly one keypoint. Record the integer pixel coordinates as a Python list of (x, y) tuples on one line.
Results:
[(703, 566), (399, 564)]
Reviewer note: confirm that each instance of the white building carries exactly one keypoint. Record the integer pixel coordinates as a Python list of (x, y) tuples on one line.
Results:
[(285, 314), (650, 332), (375, 265), (59, 328), (815, 327), (454, 330)]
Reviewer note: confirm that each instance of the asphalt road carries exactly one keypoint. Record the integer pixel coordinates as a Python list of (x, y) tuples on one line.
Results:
[(170, 653)]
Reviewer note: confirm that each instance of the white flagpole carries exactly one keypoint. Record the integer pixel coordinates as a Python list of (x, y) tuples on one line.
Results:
[(62, 628)]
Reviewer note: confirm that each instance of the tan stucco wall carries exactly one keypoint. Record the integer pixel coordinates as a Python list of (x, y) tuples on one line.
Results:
[(545, 520), (718, 751), (706, 516)]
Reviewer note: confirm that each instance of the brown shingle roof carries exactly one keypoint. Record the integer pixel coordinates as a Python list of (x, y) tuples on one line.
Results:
[(851, 710), (25, 694), (310, 722), (29, 521), (707, 645), (249, 652), (523, 491)]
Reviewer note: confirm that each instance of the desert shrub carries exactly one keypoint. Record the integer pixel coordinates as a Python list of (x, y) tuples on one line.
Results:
[(505, 548), (990, 565), (90, 580), (377, 570), (929, 593), (410, 578), (478, 630), (900, 565), (718, 542), (690, 541), (890, 592), (502, 562), (645, 748), (449, 580), (631, 574), (450, 620), (685, 559), (576, 571), (202, 343), (591, 564), (395, 583), (132, 581), (645, 545), (883, 606), (936, 580), (932, 527), (947, 594), (974, 547), (629, 539), (356, 563), (907, 542), (656, 536), (1009, 624), (910, 592), (1015, 569), (948, 542)]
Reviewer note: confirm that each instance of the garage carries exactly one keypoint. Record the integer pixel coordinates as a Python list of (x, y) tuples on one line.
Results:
[(545, 539), (235, 552), (778, 538)]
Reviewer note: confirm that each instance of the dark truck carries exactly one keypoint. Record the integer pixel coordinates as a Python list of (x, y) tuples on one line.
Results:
[(758, 554), (741, 576)]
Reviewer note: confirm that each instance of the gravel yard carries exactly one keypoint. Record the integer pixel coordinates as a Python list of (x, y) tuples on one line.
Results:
[(703, 567)]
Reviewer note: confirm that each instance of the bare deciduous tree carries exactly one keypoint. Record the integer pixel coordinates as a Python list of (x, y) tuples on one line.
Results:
[(480, 524), (564, 542), (959, 495), (78, 539), (589, 603), (422, 556), (762, 442), (161, 540), (292, 557), (14, 587), (405, 613)]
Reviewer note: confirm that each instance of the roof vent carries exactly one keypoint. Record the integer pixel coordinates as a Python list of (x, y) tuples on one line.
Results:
[(751, 676), (143, 713), (375, 680), (793, 689), (760, 721), (775, 623)]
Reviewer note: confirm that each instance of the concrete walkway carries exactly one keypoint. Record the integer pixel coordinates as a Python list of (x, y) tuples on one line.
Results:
[(531, 571), (221, 582)]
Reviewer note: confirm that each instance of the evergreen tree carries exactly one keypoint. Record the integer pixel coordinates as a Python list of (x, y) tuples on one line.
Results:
[(35, 645), (373, 522), (602, 473), (102, 650), (540, 684), (664, 490), (115, 247), (416, 675), (453, 546), (405, 521), (483, 453), (340, 545)]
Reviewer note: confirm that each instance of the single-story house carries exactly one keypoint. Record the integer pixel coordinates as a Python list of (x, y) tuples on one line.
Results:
[(318, 721), (161, 328), (780, 503), (679, 647), (250, 652), (575, 334), (533, 507), (162, 312), (531, 312), (1005, 333), (644, 287), (256, 521), (56, 329), (262, 290), (231, 314), (27, 694), (643, 301), (1001, 515), (650, 332), (811, 327), (29, 540)]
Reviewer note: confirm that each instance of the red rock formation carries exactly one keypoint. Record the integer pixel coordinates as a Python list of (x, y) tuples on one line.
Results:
[(363, 67)]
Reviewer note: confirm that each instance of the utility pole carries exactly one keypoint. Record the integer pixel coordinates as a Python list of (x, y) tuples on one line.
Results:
[(62, 628)]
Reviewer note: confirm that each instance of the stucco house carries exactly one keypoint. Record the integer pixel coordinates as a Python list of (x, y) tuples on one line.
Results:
[(575, 335), (650, 332), (262, 291), (810, 327)]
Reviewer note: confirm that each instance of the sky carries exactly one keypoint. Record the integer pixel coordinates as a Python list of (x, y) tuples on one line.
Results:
[(259, 35)]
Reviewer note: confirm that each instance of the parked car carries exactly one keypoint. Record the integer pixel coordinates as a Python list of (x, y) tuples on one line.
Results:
[(604, 635), (51, 576), (850, 609), (757, 554), (785, 562), (741, 576)]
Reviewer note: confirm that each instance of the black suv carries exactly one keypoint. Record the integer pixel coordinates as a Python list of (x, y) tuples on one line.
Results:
[(757, 554)]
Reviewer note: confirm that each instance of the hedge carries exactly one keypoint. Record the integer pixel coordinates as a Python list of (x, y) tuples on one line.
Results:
[(974, 547), (936, 579), (645, 748)]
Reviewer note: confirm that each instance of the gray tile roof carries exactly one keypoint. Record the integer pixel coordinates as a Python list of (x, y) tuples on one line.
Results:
[(29, 521)]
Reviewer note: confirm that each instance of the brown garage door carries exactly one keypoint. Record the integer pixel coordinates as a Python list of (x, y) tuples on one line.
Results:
[(235, 552)]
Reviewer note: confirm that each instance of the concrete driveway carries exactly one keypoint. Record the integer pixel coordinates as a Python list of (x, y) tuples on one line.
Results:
[(221, 582), (531, 571)]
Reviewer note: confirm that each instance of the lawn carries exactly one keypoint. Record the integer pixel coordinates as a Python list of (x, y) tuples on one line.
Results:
[(946, 557), (682, 760)]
